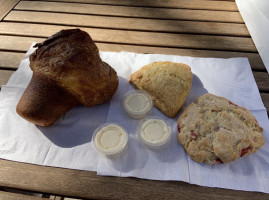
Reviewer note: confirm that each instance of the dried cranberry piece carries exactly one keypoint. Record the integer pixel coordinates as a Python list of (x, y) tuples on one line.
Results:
[(232, 103), (178, 127), (193, 135), (244, 151), (236, 105), (218, 160)]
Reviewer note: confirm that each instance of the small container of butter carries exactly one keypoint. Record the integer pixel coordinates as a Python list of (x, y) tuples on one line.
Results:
[(154, 132), (110, 139), (137, 103)]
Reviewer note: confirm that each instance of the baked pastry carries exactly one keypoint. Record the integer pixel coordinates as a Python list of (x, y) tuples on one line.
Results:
[(168, 84), (67, 71), (215, 130)]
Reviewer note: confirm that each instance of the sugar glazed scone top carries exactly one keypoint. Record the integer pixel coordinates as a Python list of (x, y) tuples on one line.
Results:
[(67, 70), (167, 83), (215, 130)]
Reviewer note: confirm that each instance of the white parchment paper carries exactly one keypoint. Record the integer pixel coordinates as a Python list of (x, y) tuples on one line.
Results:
[(67, 143)]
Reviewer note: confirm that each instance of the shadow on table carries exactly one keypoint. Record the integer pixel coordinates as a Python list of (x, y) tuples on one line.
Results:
[(76, 126), (132, 159)]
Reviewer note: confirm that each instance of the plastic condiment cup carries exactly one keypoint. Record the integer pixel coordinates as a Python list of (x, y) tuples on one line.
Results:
[(154, 132), (110, 139), (137, 103)]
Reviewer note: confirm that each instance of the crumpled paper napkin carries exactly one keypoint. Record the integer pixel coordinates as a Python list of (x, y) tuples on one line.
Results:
[(67, 143)]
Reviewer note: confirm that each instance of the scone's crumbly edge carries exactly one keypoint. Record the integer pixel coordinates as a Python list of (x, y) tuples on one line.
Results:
[(168, 84), (215, 130)]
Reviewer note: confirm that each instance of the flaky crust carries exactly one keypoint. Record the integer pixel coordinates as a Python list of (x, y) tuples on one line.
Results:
[(67, 63), (168, 84), (215, 130)]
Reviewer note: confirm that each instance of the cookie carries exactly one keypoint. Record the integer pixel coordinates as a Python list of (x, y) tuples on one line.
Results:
[(167, 83), (214, 130)]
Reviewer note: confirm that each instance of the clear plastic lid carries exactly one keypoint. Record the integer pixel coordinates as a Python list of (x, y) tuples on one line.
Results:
[(154, 132), (137, 103), (110, 139)]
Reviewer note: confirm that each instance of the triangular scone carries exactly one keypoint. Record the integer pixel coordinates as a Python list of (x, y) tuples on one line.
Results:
[(168, 84)]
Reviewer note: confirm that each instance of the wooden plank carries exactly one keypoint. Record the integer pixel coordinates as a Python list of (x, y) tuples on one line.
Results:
[(262, 80), (156, 25), (189, 4), (17, 196), (85, 184), (125, 11), (265, 99), (179, 14), (88, 185), (10, 60), (17, 43), (4, 76), (139, 38), (6, 6)]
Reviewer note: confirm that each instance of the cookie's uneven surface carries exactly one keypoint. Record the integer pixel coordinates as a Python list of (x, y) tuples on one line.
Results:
[(215, 130)]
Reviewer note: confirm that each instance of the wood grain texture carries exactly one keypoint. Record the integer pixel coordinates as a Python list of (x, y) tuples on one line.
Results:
[(191, 15), (176, 26), (10, 59), (189, 4), (127, 11), (142, 24), (262, 80), (17, 43), (4, 76), (139, 37), (17, 196), (83, 184), (6, 6), (265, 99)]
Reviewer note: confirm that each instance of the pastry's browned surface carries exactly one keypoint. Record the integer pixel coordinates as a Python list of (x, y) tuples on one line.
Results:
[(43, 101), (67, 70)]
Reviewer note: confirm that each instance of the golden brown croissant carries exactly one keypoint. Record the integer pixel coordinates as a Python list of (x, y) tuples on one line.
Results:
[(67, 71)]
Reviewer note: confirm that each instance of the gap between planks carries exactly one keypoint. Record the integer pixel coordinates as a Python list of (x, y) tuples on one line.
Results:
[(129, 11), (154, 13), (6, 7), (88, 185), (223, 43), (22, 44), (123, 23), (186, 4)]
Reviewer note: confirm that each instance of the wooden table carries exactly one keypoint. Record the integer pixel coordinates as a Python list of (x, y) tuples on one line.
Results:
[(203, 28)]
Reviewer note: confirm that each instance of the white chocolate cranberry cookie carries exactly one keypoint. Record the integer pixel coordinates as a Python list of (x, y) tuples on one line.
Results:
[(215, 130)]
